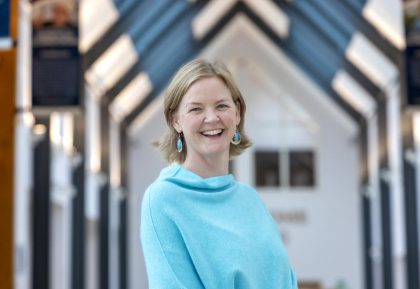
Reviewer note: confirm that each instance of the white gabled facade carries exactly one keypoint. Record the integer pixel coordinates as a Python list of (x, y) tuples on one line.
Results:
[(285, 109)]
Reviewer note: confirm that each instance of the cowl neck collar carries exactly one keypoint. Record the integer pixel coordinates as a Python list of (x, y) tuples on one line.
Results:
[(185, 178)]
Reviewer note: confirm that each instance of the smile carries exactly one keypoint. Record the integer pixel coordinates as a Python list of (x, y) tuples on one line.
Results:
[(214, 132)]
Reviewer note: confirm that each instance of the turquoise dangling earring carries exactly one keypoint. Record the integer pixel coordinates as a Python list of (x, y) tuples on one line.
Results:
[(179, 143), (236, 138)]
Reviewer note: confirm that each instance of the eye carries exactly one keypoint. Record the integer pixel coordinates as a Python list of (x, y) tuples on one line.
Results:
[(195, 109), (222, 106)]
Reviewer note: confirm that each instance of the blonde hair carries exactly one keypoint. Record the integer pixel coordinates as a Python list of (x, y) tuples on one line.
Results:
[(188, 74)]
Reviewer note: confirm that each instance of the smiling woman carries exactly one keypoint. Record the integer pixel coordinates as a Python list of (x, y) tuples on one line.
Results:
[(200, 228), (207, 117), (188, 76)]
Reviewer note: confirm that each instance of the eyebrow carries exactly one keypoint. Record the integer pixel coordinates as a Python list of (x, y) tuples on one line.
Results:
[(199, 103), (193, 103)]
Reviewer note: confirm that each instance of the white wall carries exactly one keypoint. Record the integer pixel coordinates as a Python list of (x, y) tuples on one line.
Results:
[(145, 164), (326, 245)]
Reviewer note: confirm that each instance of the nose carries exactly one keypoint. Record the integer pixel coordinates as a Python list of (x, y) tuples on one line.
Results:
[(211, 116)]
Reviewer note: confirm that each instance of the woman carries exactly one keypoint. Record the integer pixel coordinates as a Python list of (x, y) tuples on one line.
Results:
[(200, 228)]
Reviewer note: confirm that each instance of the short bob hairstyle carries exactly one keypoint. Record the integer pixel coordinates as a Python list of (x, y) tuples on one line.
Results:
[(188, 74)]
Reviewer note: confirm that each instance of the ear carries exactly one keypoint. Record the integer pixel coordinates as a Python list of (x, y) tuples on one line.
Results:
[(238, 112), (175, 122)]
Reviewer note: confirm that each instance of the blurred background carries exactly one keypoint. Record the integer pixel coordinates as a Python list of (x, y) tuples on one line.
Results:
[(332, 91)]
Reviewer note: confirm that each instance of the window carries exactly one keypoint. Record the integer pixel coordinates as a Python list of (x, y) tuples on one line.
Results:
[(285, 168), (267, 168), (301, 168)]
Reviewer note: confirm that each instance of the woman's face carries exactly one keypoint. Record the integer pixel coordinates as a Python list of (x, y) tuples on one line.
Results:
[(207, 116)]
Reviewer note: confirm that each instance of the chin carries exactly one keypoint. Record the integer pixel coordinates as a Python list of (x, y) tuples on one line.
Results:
[(216, 151)]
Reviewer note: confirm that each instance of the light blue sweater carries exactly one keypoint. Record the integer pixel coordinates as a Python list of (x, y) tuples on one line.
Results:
[(212, 233)]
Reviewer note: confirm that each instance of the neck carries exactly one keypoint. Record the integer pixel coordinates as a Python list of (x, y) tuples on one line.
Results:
[(207, 168)]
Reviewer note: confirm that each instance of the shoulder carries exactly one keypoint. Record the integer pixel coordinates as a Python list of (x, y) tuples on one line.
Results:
[(160, 186), (160, 192), (245, 188), (162, 197), (252, 196)]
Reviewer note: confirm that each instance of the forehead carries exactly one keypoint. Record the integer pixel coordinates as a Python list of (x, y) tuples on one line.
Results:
[(207, 89)]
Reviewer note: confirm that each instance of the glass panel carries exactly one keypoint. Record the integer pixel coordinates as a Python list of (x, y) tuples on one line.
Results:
[(267, 169), (302, 169)]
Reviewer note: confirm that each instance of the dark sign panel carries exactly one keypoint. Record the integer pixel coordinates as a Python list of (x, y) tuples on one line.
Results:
[(56, 71), (4, 18), (412, 52), (412, 55)]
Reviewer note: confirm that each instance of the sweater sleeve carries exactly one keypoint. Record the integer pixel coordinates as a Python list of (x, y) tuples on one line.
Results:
[(167, 260)]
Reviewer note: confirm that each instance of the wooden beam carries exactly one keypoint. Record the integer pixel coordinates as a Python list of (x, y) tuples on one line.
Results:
[(7, 120), (7, 110), (14, 19)]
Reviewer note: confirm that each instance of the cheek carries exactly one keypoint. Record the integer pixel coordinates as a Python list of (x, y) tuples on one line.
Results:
[(191, 122), (229, 117)]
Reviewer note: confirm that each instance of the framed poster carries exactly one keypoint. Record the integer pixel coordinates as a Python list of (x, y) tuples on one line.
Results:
[(56, 67)]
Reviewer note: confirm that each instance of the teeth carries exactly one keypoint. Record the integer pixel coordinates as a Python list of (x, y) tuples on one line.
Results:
[(212, 132)]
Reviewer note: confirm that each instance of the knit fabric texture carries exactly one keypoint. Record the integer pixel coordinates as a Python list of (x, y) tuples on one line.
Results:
[(212, 233)]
